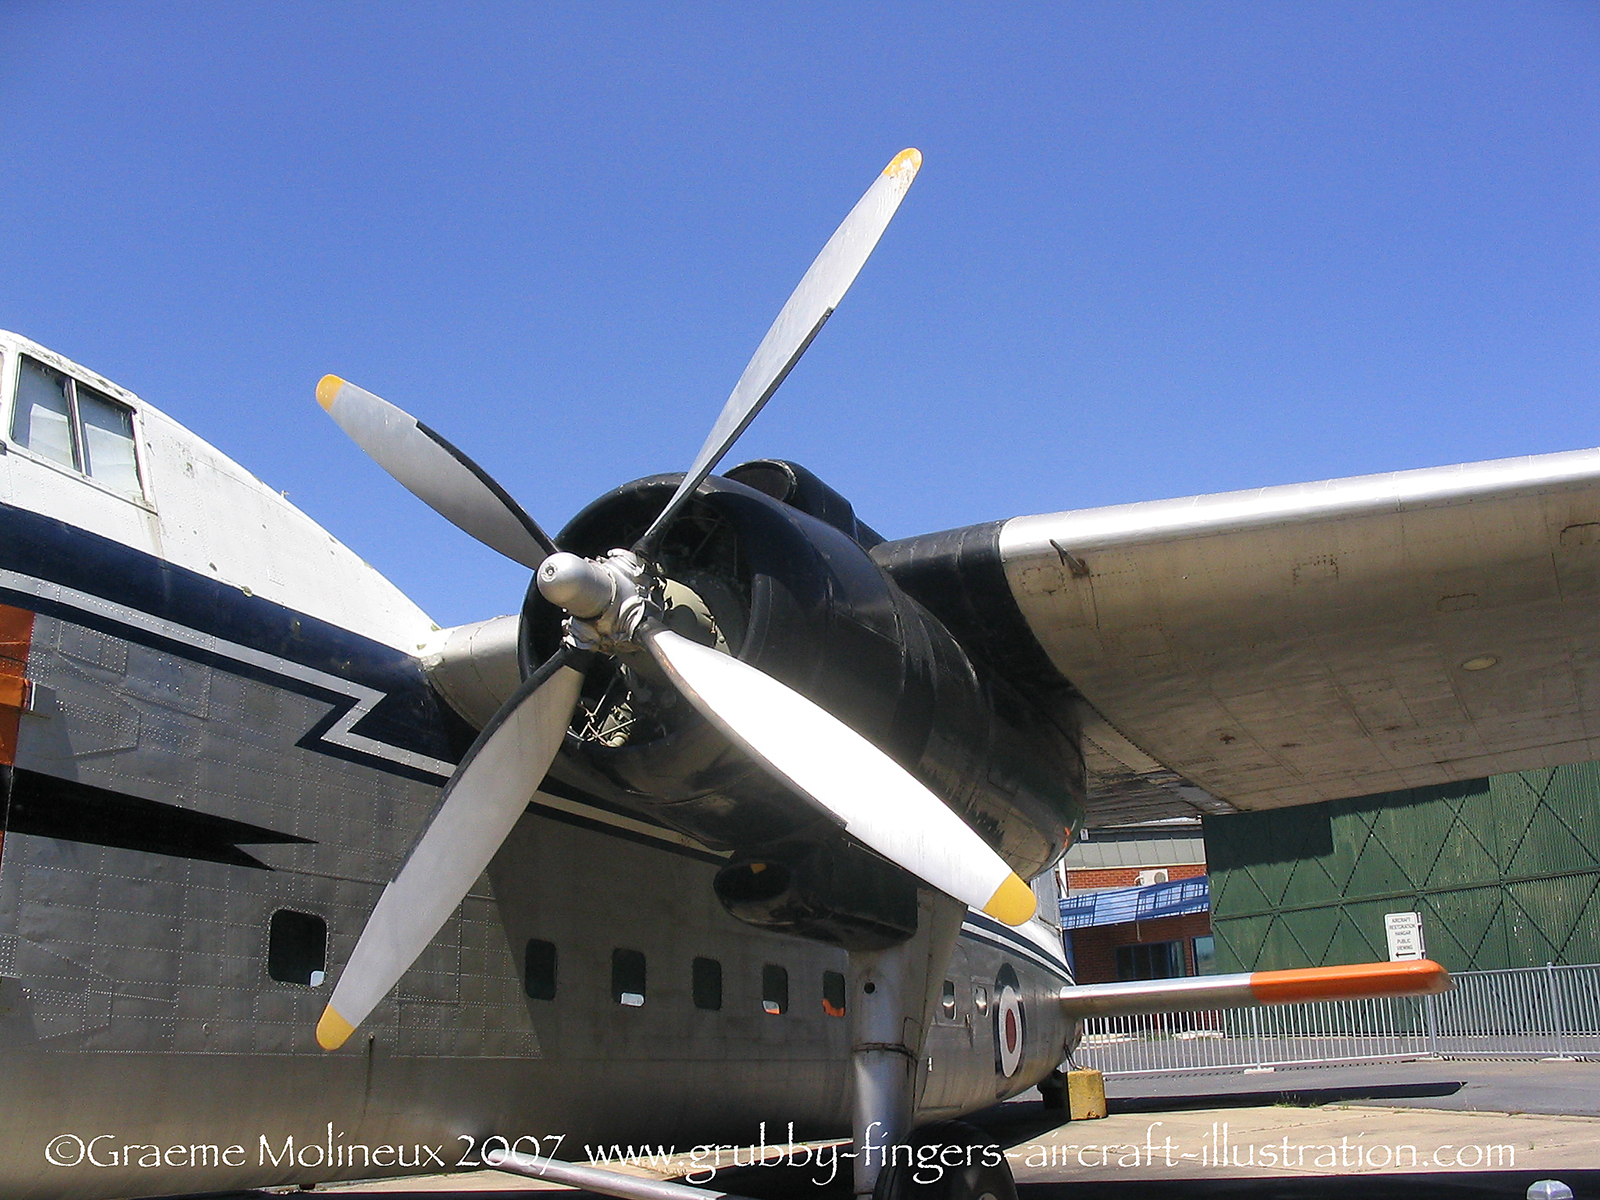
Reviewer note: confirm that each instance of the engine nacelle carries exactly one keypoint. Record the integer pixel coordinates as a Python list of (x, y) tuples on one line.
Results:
[(799, 598), (830, 891)]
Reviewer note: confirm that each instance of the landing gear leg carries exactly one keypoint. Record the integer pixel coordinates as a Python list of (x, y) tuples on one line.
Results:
[(882, 1065), (892, 995)]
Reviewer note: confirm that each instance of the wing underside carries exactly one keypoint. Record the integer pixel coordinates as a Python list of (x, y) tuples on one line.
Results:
[(1296, 644)]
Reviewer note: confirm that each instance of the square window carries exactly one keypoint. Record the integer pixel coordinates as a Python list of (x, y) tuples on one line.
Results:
[(297, 948), (1150, 960), (833, 993), (774, 990), (73, 425), (539, 970), (627, 978), (706, 984), (108, 442), (42, 420)]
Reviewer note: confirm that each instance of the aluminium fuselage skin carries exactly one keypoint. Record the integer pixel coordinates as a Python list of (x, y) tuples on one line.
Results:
[(221, 714)]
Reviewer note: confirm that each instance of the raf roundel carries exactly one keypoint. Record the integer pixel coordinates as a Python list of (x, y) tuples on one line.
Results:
[(1010, 1027)]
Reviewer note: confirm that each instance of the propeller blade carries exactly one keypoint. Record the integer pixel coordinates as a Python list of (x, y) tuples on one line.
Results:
[(434, 471), (810, 305), (477, 809), (876, 799)]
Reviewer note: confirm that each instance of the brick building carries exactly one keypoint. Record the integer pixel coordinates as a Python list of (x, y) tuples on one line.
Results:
[(1136, 903)]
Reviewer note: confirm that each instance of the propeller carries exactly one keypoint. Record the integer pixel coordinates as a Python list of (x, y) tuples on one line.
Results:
[(877, 800), (478, 807), (808, 308), (434, 471), (614, 604)]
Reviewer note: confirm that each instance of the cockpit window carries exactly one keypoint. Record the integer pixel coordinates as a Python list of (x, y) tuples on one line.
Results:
[(43, 418), (108, 441), (70, 423)]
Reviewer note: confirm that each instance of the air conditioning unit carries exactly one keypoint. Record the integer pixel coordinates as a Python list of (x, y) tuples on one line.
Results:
[(1155, 875)]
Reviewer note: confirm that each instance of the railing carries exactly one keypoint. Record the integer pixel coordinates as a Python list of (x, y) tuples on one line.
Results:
[(1118, 906), (1539, 1012)]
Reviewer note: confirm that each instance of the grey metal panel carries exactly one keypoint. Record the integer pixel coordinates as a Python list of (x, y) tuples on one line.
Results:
[(1127, 787), (1295, 644), (476, 669), (1143, 852), (135, 996)]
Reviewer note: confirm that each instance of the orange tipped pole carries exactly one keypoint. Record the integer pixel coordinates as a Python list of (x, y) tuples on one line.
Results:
[(1362, 981)]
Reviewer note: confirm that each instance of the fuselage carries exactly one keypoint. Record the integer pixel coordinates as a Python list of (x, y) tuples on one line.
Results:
[(220, 743)]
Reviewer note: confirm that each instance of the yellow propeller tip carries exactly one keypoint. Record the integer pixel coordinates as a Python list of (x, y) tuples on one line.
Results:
[(908, 160), (1012, 902), (327, 392), (333, 1030)]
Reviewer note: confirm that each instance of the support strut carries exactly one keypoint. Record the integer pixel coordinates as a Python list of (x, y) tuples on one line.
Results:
[(893, 992)]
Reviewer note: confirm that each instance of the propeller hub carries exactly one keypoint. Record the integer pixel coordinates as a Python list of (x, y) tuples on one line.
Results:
[(606, 599), (580, 585)]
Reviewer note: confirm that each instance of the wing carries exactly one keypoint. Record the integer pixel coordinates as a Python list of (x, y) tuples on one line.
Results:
[(1295, 644)]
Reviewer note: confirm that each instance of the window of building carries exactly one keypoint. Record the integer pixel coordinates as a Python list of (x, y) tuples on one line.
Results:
[(73, 425), (774, 990), (706, 984), (947, 1000), (1205, 955), (627, 978), (1152, 960), (833, 993), (539, 970), (297, 948)]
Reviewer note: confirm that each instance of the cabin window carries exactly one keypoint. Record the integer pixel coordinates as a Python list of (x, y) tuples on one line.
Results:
[(627, 978), (833, 993), (980, 999), (71, 424), (297, 948), (774, 990), (706, 984), (947, 1000), (539, 970)]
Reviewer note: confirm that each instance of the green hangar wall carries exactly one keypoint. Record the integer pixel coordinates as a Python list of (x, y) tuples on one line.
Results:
[(1505, 872)]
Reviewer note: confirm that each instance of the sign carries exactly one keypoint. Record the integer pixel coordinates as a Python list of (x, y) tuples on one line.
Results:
[(1405, 936)]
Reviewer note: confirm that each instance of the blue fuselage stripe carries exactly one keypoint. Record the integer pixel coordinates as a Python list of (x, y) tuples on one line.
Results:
[(408, 716), (982, 929)]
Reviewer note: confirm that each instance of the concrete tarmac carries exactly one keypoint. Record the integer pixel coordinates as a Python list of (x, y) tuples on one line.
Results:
[(1452, 1130), (1552, 1087)]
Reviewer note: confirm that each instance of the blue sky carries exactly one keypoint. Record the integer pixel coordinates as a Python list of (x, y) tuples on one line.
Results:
[(1155, 249)]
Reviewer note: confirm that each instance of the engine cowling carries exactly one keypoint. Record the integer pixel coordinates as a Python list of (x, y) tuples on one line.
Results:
[(799, 598)]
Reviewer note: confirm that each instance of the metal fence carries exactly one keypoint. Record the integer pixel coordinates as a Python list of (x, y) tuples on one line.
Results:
[(1533, 1013)]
